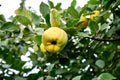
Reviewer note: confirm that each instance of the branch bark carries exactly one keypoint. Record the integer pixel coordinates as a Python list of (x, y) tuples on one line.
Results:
[(105, 39)]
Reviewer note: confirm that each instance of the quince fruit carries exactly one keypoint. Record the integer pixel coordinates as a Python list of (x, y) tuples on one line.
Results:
[(83, 22), (95, 13), (54, 39), (42, 48)]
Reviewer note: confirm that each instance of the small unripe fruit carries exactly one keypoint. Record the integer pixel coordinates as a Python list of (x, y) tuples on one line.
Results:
[(95, 13), (83, 22)]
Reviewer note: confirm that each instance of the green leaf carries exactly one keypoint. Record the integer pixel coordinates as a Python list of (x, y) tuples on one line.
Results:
[(41, 78), (23, 20), (39, 31), (93, 1), (33, 57), (100, 63), (86, 76), (23, 12), (117, 3), (73, 12), (58, 6), (70, 31), (82, 34), (2, 18), (86, 63), (71, 23), (19, 78), (51, 4), (47, 19), (9, 26), (77, 78), (104, 26), (105, 76), (50, 67), (2, 34), (61, 71), (68, 76), (83, 10), (44, 9), (1, 23), (49, 78), (106, 14), (37, 39), (80, 44), (93, 26), (35, 18), (18, 62), (73, 3)]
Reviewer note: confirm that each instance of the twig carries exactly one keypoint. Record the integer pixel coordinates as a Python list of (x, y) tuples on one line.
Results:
[(105, 39)]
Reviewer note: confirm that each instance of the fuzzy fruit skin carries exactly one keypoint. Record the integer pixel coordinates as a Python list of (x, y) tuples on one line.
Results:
[(96, 13), (42, 48), (83, 22), (54, 39)]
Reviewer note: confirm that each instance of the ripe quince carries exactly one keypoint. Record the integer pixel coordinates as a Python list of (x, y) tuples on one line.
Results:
[(95, 13), (54, 39), (42, 48)]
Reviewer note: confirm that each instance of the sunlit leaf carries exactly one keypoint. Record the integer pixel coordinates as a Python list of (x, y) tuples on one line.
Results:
[(44, 9), (23, 20), (100, 63), (82, 34), (58, 6), (19, 78), (73, 3), (35, 18), (93, 1), (39, 31), (105, 76), (49, 78), (23, 12), (104, 26), (50, 67), (60, 71), (41, 78), (51, 4), (73, 12), (77, 78)]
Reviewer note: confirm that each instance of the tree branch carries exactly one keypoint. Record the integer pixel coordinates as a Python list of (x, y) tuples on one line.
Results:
[(105, 39)]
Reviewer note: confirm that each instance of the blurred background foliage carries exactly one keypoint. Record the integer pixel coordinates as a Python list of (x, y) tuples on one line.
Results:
[(92, 53)]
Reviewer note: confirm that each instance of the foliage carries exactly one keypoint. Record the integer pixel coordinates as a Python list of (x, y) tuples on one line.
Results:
[(90, 54)]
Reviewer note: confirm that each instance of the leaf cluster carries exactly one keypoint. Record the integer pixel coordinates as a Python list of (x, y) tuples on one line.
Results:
[(91, 53)]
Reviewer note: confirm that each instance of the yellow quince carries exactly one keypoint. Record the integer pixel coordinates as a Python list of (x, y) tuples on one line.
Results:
[(42, 48), (54, 39), (95, 13)]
